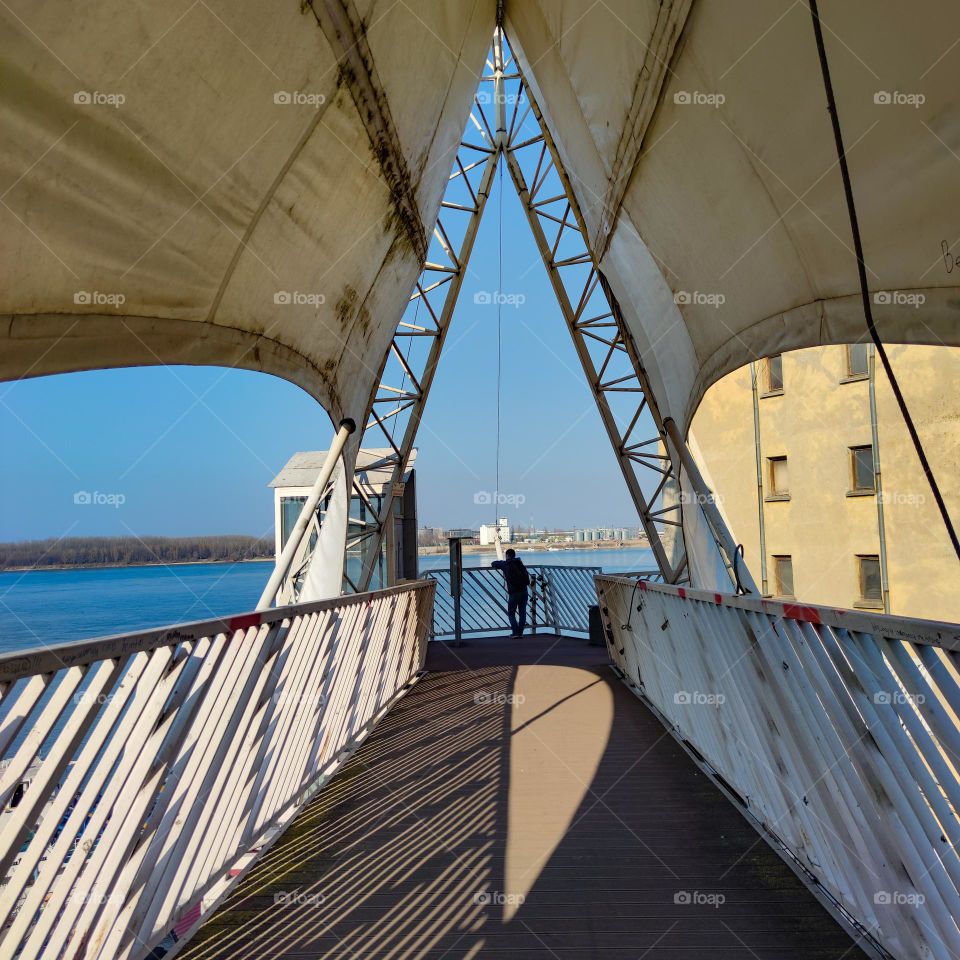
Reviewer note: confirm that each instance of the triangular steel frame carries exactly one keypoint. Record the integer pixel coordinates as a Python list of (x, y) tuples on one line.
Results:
[(507, 125)]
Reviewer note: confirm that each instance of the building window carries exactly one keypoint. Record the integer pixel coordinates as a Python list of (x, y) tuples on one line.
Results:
[(773, 375), (290, 508), (783, 573), (858, 363), (871, 587), (861, 470), (778, 478)]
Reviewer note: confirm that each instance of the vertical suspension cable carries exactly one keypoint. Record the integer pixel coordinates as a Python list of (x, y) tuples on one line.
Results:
[(496, 489), (864, 289)]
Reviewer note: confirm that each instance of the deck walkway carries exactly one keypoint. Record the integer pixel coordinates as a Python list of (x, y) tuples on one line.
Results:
[(519, 802)]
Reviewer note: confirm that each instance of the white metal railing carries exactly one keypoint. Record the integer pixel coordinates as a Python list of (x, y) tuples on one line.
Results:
[(836, 731), (145, 773), (560, 599)]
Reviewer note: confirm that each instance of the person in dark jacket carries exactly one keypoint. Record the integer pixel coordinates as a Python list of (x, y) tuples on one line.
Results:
[(517, 578)]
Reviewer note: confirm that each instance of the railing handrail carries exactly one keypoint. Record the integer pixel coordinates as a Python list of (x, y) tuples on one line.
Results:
[(938, 633), (18, 664)]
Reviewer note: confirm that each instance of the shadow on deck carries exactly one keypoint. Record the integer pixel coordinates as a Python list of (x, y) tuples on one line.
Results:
[(520, 802)]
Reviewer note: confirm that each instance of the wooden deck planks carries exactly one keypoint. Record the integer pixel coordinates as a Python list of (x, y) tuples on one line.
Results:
[(520, 802)]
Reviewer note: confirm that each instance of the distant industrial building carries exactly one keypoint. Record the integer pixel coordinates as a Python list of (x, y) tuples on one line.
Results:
[(601, 533)]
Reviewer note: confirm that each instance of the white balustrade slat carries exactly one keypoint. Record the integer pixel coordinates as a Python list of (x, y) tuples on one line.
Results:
[(163, 763), (836, 730)]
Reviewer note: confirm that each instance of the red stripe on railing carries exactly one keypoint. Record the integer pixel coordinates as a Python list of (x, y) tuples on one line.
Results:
[(243, 621), (797, 612)]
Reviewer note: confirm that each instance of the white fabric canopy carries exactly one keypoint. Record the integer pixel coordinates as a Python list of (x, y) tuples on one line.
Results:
[(263, 193)]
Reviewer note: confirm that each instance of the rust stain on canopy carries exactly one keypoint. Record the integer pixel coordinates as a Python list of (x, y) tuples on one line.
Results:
[(347, 36)]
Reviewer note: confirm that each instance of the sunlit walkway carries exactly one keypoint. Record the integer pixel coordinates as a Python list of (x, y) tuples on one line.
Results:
[(520, 802)]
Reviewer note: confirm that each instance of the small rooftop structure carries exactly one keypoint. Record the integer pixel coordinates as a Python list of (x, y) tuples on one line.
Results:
[(372, 469)]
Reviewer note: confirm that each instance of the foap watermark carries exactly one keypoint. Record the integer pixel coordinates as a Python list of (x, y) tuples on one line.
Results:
[(694, 498), (491, 97), (698, 898), (498, 898), (299, 98), (484, 698), (487, 297), (686, 298), (97, 98), (899, 697), (86, 498), (296, 898), (697, 698), (898, 898), (896, 98), (87, 698), (297, 298), (898, 298), (901, 499), (98, 298), (484, 498), (101, 899), (698, 98)]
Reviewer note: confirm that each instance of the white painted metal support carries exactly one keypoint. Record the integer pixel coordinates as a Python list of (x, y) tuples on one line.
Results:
[(294, 541), (835, 732), (705, 499)]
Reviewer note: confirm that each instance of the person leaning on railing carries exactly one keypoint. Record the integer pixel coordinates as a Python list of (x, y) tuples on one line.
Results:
[(518, 580)]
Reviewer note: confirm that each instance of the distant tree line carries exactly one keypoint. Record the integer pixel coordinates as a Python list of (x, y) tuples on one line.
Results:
[(130, 551)]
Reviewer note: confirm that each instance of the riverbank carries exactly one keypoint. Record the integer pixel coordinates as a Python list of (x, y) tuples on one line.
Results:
[(78, 553), (47, 568)]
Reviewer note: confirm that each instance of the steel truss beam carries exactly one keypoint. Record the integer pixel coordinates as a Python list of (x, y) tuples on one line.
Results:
[(642, 439)]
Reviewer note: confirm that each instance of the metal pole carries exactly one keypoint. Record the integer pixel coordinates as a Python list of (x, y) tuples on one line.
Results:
[(877, 480), (705, 499), (456, 586), (282, 568), (759, 450)]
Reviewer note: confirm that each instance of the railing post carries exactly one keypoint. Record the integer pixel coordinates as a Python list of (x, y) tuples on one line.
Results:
[(704, 496), (290, 548)]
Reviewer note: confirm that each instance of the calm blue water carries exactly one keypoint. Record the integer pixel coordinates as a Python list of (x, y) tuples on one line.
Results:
[(55, 606)]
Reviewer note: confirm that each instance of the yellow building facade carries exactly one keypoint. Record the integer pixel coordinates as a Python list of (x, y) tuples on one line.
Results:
[(816, 475)]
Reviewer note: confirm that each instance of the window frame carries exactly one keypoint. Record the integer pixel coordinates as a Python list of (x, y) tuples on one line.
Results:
[(853, 376), (855, 490), (769, 390), (778, 580), (863, 601), (773, 493)]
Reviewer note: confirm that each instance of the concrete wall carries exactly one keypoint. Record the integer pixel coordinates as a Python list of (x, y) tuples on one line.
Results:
[(820, 414)]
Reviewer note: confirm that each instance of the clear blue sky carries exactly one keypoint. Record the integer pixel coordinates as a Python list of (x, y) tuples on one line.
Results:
[(191, 450)]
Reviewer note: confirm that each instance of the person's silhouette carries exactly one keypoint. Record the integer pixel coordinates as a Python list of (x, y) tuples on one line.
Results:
[(518, 580)]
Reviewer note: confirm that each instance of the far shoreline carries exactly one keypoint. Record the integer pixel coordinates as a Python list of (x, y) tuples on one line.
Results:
[(47, 568)]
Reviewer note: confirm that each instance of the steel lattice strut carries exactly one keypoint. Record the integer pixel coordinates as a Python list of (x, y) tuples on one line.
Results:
[(506, 123)]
